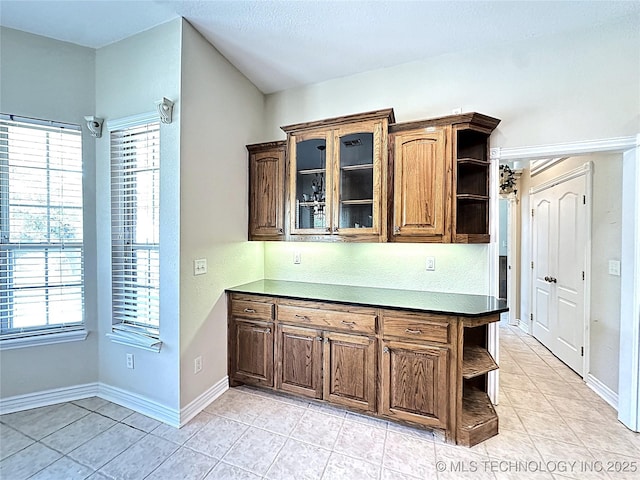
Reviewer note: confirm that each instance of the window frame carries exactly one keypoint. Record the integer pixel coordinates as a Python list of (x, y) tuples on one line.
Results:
[(44, 333), (133, 334)]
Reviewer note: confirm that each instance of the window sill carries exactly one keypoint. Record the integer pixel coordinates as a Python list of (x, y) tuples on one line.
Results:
[(44, 339), (136, 340)]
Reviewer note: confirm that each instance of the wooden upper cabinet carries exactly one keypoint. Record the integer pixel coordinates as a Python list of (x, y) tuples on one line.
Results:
[(440, 179), (421, 185), (337, 178), (266, 191)]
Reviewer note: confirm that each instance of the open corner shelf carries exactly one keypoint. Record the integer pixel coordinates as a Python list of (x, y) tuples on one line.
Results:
[(476, 361), (479, 418)]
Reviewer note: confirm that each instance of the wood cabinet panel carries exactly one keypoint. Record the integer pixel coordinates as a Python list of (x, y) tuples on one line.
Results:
[(266, 191), (350, 370), (300, 361), (416, 326), (415, 383), (252, 309), (331, 319), (252, 352), (421, 177)]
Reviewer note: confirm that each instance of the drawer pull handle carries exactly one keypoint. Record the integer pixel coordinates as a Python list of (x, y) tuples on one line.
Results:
[(303, 317), (262, 330), (348, 324), (413, 332), (249, 310)]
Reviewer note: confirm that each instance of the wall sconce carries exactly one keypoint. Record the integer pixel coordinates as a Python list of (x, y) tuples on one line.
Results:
[(165, 110), (94, 125)]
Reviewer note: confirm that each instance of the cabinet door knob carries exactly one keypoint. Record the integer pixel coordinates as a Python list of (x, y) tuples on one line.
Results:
[(249, 310), (319, 339), (385, 350), (396, 229), (335, 229), (280, 230), (328, 229)]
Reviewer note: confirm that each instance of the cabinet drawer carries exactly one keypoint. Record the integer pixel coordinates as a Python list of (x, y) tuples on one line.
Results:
[(430, 328), (332, 319), (252, 309)]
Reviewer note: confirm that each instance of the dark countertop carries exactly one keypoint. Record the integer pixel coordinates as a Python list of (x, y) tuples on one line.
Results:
[(432, 302)]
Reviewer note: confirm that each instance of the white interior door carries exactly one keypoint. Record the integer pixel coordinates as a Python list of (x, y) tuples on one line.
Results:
[(559, 231)]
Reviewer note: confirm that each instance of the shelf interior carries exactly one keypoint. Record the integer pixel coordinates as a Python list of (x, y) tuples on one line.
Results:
[(476, 361), (477, 409)]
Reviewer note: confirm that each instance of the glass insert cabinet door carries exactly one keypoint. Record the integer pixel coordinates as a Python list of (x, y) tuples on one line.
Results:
[(311, 205), (336, 186), (355, 209)]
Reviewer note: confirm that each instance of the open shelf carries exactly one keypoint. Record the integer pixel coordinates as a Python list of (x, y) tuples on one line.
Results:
[(365, 201), (479, 419), (310, 204), (476, 361), (471, 196), (472, 161)]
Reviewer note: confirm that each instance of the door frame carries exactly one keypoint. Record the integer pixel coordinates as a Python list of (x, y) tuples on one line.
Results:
[(585, 170), (628, 403)]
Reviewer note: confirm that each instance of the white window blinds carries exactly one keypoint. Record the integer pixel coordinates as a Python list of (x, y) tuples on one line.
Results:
[(41, 249), (135, 228)]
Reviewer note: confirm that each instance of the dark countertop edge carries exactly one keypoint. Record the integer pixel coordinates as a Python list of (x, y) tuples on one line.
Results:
[(238, 289)]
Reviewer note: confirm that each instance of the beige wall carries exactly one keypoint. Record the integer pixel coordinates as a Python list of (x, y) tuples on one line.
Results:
[(221, 113), (131, 75), (66, 93), (606, 217), (571, 87)]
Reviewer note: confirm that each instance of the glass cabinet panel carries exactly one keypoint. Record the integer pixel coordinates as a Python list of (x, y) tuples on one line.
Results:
[(356, 181), (311, 184)]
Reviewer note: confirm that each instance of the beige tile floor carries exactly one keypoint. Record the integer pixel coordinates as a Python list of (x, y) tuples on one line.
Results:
[(551, 427)]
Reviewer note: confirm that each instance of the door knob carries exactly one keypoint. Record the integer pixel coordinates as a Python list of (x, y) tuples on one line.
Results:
[(554, 280), (547, 279)]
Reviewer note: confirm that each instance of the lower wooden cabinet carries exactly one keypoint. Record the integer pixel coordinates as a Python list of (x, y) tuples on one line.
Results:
[(350, 370), (414, 383), (299, 361), (411, 367), (251, 355)]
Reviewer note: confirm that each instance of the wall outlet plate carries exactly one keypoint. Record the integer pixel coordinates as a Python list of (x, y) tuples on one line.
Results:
[(297, 258), (130, 361), (200, 266), (197, 364), (614, 267), (431, 264)]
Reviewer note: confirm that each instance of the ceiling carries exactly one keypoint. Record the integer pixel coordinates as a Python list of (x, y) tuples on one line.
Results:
[(283, 44)]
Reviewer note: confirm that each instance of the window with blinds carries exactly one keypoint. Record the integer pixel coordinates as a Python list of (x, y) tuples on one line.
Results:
[(135, 229), (41, 249)]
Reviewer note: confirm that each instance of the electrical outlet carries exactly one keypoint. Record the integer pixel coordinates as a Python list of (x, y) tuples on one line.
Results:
[(297, 258), (457, 111), (130, 360), (614, 267), (197, 364), (431, 264), (200, 266)]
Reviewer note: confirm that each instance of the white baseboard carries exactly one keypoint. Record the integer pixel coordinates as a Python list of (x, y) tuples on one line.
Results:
[(47, 397), (602, 390), (140, 404), (524, 326), (196, 406)]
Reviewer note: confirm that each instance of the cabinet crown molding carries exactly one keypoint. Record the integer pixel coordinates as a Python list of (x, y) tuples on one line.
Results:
[(358, 117)]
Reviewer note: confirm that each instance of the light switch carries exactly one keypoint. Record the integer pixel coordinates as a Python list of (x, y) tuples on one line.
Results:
[(614, 267), (200, 266)]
